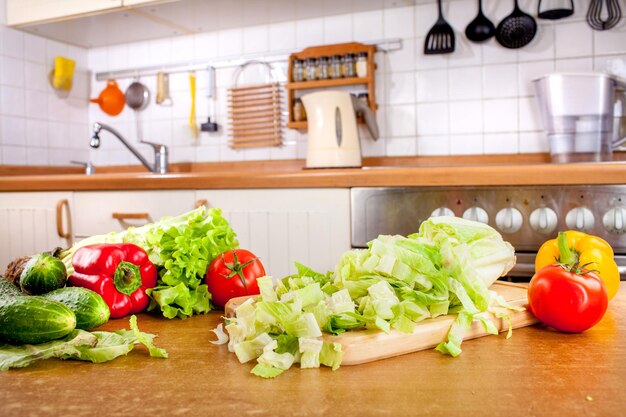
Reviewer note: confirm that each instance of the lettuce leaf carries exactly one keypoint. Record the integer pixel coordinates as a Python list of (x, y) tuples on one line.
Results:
[(180, 300), (96, 347), (20, 356)]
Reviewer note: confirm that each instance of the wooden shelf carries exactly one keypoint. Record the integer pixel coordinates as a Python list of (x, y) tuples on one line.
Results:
[(303, 125), (330, 50), (303, 85), (297, 125)]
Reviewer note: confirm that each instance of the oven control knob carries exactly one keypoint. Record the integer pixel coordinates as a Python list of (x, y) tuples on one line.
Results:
[(580, 218), (614, 220), (476, 214), (543, 220), (509, 220), (442, 211)]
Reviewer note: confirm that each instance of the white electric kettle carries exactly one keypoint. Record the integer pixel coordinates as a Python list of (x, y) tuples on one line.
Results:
[(333, 134)]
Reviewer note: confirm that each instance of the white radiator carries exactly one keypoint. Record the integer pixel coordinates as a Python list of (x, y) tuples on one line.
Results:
[(26, 231), (277, 238)]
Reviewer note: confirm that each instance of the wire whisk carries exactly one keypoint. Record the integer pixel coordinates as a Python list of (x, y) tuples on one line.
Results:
[(595, 16)]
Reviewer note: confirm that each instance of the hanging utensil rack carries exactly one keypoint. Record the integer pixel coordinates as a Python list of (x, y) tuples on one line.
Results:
[(382, 45)]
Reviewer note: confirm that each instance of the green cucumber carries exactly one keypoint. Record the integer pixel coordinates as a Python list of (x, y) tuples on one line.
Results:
[(32, 319), (88, 306), (43, 273)]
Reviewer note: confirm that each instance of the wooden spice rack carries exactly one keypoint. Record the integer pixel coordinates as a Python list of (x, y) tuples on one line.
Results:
[(330, 50)]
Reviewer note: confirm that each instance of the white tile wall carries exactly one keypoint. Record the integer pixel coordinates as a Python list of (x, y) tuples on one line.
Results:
[(478, 100), (35, 123)]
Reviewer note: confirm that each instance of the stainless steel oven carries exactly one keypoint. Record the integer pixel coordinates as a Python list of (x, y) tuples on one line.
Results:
[(526, 216)]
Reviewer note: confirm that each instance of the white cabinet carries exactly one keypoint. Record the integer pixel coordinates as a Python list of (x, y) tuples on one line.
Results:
[(100, 212), (142, 2), (24, 12), (310, 226), (32, 222), (21, 12)]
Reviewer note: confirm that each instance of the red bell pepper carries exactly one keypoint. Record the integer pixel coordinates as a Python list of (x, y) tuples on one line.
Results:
[(120, 273)]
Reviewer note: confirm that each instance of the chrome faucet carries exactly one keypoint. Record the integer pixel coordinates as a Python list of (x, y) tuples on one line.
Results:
[(160, 151)]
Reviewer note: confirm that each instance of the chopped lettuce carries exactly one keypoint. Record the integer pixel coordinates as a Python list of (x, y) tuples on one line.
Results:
[(278, 360), (310, 350), (445, 268), (266, 371), (181, 247)]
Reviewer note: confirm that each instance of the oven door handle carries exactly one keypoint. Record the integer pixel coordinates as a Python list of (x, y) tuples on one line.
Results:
[(527, 269)]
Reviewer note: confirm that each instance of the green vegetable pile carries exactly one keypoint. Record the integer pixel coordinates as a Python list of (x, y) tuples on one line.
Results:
[(181, 247), (446, 268)]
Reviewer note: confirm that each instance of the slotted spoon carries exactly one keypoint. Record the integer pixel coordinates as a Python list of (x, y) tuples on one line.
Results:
[(440, 38), (516, 30)]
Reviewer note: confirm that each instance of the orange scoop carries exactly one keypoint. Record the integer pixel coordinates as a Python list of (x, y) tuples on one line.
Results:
[(111, 100)]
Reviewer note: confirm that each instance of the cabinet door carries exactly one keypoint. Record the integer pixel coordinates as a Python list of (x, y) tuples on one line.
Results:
[(144, 2), (32, 223), (31, 11), (102, 212), (310, 226)]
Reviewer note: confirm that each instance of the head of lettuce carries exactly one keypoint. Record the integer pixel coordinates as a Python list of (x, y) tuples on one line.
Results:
[(397, 281)]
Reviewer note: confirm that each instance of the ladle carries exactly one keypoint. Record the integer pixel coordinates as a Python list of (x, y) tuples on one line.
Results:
[(480, 29), (137, 98)]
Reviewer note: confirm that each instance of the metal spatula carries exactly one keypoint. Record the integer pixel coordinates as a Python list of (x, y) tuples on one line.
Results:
[(440, 38)]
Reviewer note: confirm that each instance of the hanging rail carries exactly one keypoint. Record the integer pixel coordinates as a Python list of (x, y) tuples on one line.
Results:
[(384, 45)]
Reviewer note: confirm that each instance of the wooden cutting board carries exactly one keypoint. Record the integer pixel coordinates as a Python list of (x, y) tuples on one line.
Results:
[(362, 346)]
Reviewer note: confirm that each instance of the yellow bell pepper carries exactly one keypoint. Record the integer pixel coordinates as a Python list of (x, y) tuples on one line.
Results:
[(587, 251)]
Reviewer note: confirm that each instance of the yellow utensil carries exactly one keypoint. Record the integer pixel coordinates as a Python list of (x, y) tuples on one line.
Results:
[(192, 116), (63, 73)]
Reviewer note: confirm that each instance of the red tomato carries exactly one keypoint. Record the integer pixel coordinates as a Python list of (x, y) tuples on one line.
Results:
[(566, 300), (233, 274)]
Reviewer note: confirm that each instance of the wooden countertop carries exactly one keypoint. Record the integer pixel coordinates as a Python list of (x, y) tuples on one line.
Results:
[(538, 372), (291, 174)]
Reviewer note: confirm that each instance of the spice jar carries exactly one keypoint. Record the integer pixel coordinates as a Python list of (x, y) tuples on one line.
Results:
[(335, 67), (348, 65), (361, 65), (298, 70), (322, 68), (310, 69), (299, 114)]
